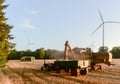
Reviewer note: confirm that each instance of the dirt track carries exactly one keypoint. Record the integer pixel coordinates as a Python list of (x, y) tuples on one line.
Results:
[(17, 72)]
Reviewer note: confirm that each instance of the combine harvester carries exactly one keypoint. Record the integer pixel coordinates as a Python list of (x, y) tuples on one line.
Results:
[(83, 61)]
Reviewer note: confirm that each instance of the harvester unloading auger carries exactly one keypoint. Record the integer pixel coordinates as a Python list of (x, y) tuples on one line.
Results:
[(82, 62), (67, 48)]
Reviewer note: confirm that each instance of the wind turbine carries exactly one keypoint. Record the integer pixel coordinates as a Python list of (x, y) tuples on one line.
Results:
[(28, 45), (102, 25)]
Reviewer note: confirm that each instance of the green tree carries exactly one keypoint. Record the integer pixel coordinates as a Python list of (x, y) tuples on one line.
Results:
[(5, 35), (116, 52), (28, 53), (103, 49), (19, 55), (42, 53), (12, 55), (37, 53)]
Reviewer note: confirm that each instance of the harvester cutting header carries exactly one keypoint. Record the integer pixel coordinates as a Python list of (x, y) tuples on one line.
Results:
[(83, 61)]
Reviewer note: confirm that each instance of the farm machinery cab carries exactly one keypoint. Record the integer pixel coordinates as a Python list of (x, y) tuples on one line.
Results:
[(82, 61)]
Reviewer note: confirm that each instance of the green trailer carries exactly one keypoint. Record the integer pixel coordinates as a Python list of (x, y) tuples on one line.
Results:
[(76, 67)]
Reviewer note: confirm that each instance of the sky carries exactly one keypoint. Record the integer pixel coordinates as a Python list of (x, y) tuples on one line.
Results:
[(49, 23)]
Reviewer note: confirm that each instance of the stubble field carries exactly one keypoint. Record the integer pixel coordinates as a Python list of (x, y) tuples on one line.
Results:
[(17, 72)]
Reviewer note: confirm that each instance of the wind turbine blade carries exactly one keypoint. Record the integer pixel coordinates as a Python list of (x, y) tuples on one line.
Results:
[(97, 28), (100, 15), (111, 22)]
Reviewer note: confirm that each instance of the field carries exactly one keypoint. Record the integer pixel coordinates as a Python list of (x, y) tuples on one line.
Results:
[(17, 72)]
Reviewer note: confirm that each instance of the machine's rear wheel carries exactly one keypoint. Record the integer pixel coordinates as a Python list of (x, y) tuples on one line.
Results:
[(67, 70)]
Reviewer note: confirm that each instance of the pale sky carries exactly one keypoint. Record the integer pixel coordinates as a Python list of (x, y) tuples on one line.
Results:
[(49, 23)]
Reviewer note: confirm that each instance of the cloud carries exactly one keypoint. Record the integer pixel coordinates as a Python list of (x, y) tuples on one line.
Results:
[(27, 24), (35, 12)]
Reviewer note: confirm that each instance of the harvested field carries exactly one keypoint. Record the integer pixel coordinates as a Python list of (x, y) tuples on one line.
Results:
[(17, 72)]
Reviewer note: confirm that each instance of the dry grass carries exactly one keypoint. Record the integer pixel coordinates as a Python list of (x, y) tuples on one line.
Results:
[(30, 73)]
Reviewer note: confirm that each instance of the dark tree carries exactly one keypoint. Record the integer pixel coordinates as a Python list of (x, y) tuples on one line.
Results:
[(13, 55), (37, 53), (116, 52), (103, 49)]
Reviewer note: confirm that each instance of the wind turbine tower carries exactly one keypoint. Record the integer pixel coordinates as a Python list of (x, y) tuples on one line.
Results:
[(103, 27)]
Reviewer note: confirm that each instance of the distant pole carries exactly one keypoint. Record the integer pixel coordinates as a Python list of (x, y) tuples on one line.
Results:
[(103, 35), (44, 60)]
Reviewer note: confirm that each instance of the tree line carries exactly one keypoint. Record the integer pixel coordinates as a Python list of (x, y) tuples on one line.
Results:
[(115, 51), (53, 54), (38, 54)]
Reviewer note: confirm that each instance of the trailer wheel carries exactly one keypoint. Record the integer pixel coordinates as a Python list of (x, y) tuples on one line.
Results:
[(42, 68), (75, 72), (84, 72), (47, 68), (57, 70), (67, 70)]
